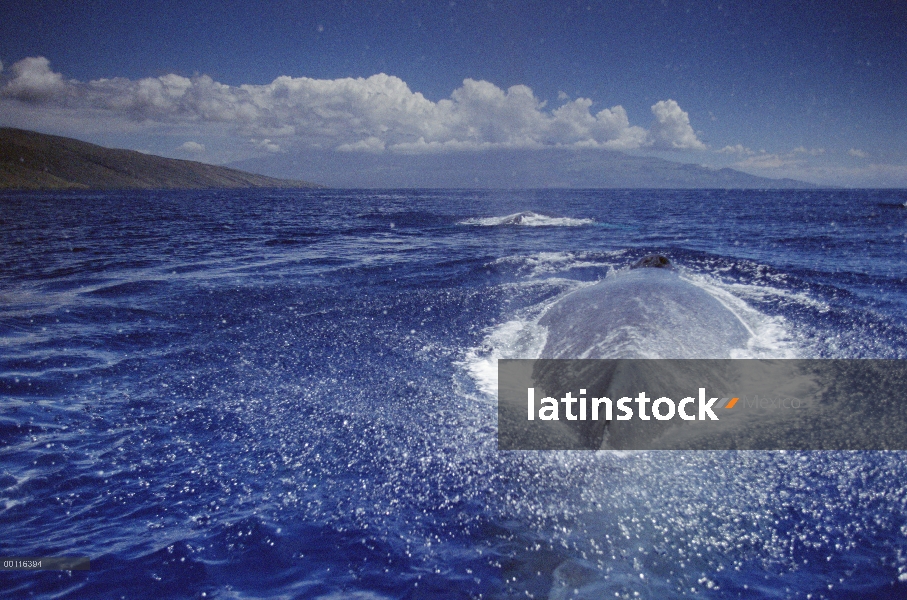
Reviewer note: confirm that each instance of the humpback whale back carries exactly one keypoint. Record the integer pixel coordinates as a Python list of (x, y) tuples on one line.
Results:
[(648, 312), (643, 313)]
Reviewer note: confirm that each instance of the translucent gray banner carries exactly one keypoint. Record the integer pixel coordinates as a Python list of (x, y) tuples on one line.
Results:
[(702, 404)]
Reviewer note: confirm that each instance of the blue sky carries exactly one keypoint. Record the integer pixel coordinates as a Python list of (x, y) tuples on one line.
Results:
[(811, 90)]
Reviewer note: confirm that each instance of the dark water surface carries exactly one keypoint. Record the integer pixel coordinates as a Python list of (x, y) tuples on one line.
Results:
[(280, 394)]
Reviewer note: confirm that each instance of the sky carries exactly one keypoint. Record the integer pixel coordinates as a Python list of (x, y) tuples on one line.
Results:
[(813, 90)]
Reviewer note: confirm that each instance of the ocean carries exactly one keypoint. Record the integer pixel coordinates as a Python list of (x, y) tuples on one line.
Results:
[(292, 394)]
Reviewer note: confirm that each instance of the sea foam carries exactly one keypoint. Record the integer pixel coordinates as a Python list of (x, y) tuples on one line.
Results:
[(528, 219)]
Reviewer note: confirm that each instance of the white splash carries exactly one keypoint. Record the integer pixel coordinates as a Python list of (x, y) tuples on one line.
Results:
[(528, 219)]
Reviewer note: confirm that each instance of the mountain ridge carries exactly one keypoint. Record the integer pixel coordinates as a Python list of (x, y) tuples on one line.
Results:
[(36, 161), (536, 168)]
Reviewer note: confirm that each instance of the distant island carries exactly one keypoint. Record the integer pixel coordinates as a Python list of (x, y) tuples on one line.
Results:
[(506, 169), (36, 161)]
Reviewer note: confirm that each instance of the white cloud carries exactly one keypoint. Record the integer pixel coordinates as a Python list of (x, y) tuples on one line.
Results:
[(266, 145), (809, 151), (376, 114), (766, 160), (672, 129), (737, 149), (193, 147), (33, 81), (857, 153), (371, 144)]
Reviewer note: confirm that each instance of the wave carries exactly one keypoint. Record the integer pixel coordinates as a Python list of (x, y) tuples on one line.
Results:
[(528, 219), (541, 264), (519, 337)]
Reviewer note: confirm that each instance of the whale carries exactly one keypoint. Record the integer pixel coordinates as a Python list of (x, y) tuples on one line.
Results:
[(648, 313), (517, 219)]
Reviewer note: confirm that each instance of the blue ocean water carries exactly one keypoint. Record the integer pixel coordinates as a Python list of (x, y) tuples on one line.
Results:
[(282, 394)]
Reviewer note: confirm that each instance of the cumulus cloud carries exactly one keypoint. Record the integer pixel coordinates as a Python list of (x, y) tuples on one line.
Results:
[(857, 153), (33, 81), (266, 145), (193, 147), (371, 144), (737, 149), (375, 114), (672, 129), (809, 151)]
